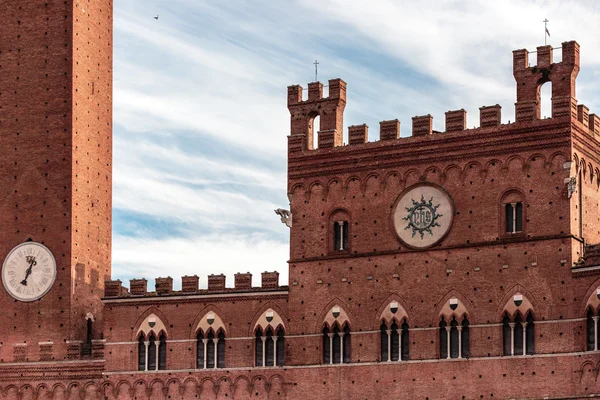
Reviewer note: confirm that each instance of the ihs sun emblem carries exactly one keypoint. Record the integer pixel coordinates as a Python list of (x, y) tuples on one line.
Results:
[(422, 217)]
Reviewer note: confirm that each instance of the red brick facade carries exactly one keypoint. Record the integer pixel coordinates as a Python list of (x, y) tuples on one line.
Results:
[(482, 275)]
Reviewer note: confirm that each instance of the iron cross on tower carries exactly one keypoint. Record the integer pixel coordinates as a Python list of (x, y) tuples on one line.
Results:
[(546, 31), (316, 63)]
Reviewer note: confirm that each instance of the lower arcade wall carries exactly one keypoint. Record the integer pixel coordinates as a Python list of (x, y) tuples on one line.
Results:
[(559, 376)]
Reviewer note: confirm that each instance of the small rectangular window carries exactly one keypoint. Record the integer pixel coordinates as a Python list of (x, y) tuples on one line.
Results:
[(340, 235)]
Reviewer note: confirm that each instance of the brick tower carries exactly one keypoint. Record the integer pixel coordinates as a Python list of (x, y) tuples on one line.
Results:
[(56, 146)]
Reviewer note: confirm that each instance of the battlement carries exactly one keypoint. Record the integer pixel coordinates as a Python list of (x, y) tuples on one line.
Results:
[(529, 80), (190, 285)]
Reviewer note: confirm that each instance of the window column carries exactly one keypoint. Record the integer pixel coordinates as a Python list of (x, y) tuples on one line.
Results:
[(264, 350), (459, 328), (156, 342), (512, 338), (514, 217), (448, 328), (216, 343), (389, 343), (524, 337), (330, 348), (205, 341), (147, 344), (400, 344), (274, 350)]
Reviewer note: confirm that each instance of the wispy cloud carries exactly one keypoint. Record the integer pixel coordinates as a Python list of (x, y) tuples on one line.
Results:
[(200, 104)]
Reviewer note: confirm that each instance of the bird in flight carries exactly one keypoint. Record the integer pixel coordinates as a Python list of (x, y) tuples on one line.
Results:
[(156, 17)]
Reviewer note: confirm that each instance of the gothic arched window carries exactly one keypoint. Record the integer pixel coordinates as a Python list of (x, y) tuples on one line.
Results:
[(454, 339), (336, 345), (340, 230), (141, 353), (151, 352), (221, 350), (518, 335), (200, 351), (280, 347), (394, 342), (592, 329), (162, 352), (443, 340)]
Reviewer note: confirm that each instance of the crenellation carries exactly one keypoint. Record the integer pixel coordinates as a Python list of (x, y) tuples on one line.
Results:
[(189, 284), (294, 94), (269, 280), (113, 288), (422, 125), (358, 134), (583, 115), (164, 285), (490, 116), (243, 280), (594, 124), (138, 287), (389, 130), (456, 120), (544, 56), (216, 282), (315, 91)]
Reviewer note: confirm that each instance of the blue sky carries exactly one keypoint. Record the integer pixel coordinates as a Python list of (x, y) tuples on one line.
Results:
[(200, 106)]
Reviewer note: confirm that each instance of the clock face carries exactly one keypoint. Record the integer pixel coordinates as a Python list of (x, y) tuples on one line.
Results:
[(29, 271)]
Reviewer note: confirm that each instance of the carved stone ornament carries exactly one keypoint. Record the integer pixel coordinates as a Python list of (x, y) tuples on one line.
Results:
[(423, 215), (286, 216)]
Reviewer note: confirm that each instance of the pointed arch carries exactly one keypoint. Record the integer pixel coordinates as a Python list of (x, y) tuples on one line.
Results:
[(529, 303), (151, 321), (327, 318), (445, 311), (385, 314), (260, 318), (201, 321)]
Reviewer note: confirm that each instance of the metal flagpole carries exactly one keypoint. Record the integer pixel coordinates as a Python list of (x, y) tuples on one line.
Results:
[(546, 32)]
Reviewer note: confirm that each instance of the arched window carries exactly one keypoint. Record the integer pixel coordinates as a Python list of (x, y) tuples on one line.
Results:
[(512, 208), (507, 336), (280, 347), (259, 349), (394, 342), (221, 350), (405, 340), (326, 346), (151, 352), (210, 350), (347, 343), (200, 351), (592, 331), (269, 347), (518, 335), (530, 335), (443, 340), (162, 352), (340, 231), (336, 345), (454, 339), (86, 349), (141, 353), (465, 342)]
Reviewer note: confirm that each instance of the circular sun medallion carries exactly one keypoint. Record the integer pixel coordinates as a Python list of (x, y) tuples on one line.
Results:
[(423, 215)]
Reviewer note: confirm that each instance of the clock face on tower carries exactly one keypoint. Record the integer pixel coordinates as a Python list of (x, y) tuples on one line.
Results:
[(29, 271)]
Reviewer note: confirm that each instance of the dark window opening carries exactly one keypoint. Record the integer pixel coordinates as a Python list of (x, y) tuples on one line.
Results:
[(395, 350), (506, 336), (221, 350), (337, 345), (269, 349), (530, 335), (141, 354), (518, 335), (86, 349), (258, 354), (384, 342), (162, 352), (591, 331), (465, 340), (152, 353), (200, 351), (454, 338), (326, 347), (347, 357), (514, 217), (405, 341), (210, 350), (280, 347), (443, 340)]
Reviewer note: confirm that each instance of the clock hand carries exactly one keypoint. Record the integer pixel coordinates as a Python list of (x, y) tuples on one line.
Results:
[(32, 262)]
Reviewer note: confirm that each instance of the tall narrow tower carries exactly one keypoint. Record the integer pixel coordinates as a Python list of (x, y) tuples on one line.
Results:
[(55, 174)]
